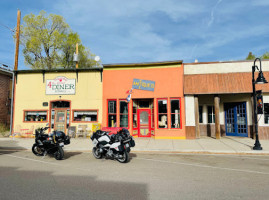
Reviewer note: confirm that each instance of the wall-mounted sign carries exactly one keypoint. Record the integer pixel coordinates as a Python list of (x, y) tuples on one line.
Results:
[(61, 85), (143, 84), (45, 104)]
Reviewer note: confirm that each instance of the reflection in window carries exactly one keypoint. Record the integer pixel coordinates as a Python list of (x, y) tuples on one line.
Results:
[(123, 114), (35, 116), (162, 113), (175, 113), (86, 115), (134, 114), (112, 113)]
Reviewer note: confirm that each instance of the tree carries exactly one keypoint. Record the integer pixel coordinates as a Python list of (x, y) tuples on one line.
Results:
[(265, 56), (50, 43), (250, 56)]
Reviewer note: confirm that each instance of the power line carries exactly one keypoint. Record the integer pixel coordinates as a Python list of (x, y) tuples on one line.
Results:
[(7, 27)]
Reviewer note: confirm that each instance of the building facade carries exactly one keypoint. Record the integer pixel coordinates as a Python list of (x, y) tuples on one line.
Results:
[(218, 99), (66, 99), (5, 95), (155, 103)]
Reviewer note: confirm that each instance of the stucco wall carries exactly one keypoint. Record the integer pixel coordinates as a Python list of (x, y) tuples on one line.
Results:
[(30, 93)]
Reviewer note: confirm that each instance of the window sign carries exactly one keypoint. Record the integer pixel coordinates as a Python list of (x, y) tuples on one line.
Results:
[(61, 85), (143, 84)]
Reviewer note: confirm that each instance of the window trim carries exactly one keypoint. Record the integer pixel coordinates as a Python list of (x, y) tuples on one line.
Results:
[(73, 110), (116, 114), (180, 121), (213, 114), (124, 100), (35, 110), (162, 113)]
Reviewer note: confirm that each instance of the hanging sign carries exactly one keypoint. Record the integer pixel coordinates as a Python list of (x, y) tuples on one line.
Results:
[(143, 84), (61, 85)]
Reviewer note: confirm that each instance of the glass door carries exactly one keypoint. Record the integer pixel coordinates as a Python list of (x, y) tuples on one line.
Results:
[(60, 120), (236, 119), (144, 122)]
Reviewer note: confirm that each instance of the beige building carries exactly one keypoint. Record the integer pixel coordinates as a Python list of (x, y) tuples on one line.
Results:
[(220, 94), (67, 99)]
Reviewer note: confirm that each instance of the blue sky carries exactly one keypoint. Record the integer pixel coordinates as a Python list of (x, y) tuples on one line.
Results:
[(125, 31)]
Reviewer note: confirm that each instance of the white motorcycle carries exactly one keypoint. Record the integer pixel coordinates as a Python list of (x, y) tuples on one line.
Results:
[(113, 146)]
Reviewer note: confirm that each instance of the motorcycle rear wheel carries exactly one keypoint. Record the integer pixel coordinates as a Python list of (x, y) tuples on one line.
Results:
[(37, 150), (96, 153), (124, 158), (59, 154)]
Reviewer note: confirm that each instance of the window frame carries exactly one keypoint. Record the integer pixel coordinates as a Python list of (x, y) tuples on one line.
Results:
[(124, 100), (36, 110), (86, 110), (116, 113), (213, 114), (180, 120), (265, 114), (158, 99)]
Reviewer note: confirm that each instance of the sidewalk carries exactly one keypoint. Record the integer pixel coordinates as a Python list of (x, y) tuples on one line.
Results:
[(225, 145)]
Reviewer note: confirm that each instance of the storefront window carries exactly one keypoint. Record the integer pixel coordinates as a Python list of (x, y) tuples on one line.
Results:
[(112, 113), (200, 114), (211, 114), (134, 114), (162, 113), (35, 116), (124, 114), (175, 113), (85, 115), (266, 113)]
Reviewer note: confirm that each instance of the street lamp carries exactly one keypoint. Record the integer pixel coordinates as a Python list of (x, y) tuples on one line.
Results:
[(260, 80)]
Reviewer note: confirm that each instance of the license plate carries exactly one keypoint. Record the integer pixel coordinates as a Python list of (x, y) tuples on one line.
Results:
[(61, 144)]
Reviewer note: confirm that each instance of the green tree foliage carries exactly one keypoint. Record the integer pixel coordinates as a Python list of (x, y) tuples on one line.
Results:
[(49, 43), (265, 56), (250, 56)]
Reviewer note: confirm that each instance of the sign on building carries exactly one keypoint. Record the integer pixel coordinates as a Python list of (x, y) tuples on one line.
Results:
[(143, 84), (61, 85)]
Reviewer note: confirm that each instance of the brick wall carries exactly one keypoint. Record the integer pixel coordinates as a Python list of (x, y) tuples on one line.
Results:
[(5, 90)]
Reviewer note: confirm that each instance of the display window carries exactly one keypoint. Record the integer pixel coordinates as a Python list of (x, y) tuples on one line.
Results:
[(175, 113), (112, 113), (124, 113), (85, 115), (162, 113), (35, 116)]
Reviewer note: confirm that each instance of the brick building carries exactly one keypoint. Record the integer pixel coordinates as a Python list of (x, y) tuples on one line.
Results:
[(5, 95)]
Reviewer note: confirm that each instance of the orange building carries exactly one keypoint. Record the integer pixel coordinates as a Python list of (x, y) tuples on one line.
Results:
[(155, 103)]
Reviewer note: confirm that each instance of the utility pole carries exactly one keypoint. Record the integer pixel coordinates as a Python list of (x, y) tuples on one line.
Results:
[(14, 81), (77, 55), (17, 40)]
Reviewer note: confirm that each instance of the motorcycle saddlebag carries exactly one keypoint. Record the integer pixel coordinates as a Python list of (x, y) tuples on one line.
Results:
[(67, 140), (132, 143)]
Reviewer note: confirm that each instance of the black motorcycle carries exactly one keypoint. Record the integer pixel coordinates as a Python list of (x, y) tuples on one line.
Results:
[(50, 143)]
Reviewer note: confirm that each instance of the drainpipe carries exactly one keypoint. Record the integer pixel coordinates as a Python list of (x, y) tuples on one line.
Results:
[(11, 110)]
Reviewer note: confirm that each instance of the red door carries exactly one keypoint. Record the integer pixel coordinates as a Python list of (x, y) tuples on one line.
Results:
[(144, 122)]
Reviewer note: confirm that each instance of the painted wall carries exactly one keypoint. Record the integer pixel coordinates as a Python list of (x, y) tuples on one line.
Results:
[(168, 84), (30, 93)]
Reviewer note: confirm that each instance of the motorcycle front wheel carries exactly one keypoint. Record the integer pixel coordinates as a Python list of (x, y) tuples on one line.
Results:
[(96, 153), (59, 154), (124, 157), (37, 150)]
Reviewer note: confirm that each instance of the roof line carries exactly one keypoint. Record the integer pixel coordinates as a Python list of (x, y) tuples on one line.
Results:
[(144, 64)]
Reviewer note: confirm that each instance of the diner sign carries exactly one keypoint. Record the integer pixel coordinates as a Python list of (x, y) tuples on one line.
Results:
[(61, 85), (143, 84)]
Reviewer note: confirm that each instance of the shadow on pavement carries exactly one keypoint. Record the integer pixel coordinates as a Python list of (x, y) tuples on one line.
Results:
[(237, 141), (8, 147), (21, 184)]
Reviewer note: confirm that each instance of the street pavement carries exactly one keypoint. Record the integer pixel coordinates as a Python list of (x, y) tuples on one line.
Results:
[(225, 145)]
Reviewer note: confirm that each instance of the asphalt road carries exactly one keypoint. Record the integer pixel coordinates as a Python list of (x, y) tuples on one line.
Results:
[(147, 176)]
